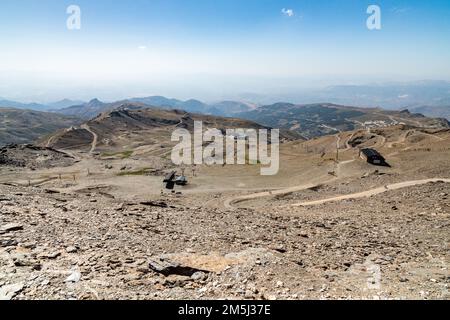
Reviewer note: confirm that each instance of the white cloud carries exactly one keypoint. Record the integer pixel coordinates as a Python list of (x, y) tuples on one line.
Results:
[(400, 10), (288, 12), (142, 47), (403, 96)]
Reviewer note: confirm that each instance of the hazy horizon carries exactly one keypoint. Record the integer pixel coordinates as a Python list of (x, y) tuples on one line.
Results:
[(286, 93)]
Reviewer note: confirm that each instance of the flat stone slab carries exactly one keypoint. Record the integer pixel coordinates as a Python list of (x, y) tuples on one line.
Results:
[(10, 227), (9, 291)]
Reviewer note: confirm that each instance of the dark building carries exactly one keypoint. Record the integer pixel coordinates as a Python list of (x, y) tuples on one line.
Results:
[(373, 157)]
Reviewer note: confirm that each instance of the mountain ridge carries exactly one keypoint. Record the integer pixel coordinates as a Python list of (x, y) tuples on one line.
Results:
[(131, 125)]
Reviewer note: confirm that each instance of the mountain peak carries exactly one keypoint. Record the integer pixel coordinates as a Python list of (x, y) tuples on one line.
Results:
[(95, 101)]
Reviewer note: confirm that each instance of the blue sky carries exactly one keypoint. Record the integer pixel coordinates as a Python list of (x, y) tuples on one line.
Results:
[(209, 48)]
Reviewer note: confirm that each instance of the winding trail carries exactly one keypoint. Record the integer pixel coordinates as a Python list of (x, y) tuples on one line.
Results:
[(347, 142), (371, 192), (94, 137), (229, 202), (381, 142)]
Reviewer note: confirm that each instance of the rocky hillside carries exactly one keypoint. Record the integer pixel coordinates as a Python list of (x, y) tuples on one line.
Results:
[(25, 126), (322, 119), (33, 157)]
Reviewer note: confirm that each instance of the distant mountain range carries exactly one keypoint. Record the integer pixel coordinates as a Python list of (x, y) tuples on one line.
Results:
[(89, 110), (95, 107), (65, 103), (4, 103), (432, 98), (390, 95), (222, 108)]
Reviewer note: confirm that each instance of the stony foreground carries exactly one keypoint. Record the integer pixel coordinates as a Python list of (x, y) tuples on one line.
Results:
[(91, 246)]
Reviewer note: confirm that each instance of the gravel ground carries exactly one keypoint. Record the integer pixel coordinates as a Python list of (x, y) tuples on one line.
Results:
[(90, 246)]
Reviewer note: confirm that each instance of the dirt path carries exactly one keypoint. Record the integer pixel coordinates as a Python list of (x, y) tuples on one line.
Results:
[(402, 139), (381, 142), (370, 193), (229, 202), (432, 136), (338, 141), (347, 142), (49, 141), (94, 139)]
